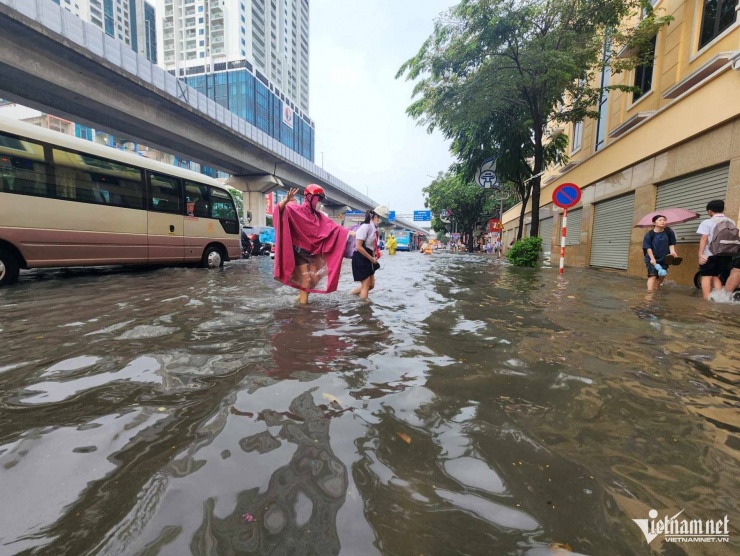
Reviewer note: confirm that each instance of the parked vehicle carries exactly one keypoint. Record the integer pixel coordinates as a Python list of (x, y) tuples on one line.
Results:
[(69, 202), (261, 239)]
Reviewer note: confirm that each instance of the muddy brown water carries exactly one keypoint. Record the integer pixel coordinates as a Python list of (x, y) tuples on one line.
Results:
[(470, 408)]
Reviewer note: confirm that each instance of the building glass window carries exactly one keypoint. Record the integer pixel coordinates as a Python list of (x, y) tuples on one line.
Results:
[(577, 136), (603, 97), (644, 74), (262, 105), (717, 16)]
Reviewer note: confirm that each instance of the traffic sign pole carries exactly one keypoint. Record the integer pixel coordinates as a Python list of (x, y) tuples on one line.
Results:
[(562, 240), (565, 196)]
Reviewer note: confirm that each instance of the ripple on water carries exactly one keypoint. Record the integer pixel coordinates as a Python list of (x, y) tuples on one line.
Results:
[(475, 473), (147, 331), (492, 512), (142, 369)]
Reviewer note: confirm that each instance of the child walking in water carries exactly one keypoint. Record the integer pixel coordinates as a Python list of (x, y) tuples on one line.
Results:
[(658, 243)]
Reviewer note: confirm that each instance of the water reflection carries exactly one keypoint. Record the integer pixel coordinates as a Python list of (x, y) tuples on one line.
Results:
[(296, 514), (474, 408)]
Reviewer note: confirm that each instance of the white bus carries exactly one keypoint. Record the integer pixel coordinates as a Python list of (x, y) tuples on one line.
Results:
[(66, 202)]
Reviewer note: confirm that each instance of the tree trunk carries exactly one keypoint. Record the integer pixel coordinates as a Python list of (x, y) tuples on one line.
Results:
[(522, 212), (538, 167)]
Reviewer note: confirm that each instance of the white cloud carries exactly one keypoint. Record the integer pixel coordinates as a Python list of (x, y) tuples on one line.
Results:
[(359, 107)]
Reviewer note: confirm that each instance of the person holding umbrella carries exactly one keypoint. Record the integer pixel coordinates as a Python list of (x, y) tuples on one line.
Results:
[(658, 244)]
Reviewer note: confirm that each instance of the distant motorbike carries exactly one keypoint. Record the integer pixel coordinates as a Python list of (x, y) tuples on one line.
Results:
[(246, 246)]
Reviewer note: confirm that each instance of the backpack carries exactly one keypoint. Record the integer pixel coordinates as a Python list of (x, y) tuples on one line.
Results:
[(725, 239)]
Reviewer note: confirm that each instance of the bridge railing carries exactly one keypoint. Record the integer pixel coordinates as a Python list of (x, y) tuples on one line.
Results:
[(57, 19)]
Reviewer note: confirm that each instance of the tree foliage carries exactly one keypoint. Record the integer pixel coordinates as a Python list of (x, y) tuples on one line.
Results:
[(464, 198), (494, 73), (525, 252)]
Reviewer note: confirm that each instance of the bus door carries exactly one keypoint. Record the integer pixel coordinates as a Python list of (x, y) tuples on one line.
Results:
[(165, 219)]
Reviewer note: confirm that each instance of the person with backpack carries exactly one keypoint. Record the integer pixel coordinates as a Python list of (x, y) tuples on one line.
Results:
[(719, 243), (658, 244)]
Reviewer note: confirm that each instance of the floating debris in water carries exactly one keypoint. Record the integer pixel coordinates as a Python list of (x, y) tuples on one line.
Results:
[(405, 437)]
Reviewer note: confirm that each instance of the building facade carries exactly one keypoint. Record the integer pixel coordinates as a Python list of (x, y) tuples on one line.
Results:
[(250, 56), (271, 34), (133, 22), (674, 143)]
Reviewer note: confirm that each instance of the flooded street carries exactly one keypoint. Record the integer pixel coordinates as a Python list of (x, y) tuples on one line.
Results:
[(470, 408)]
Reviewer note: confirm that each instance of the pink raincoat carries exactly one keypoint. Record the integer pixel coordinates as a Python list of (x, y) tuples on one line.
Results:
[(321, 241)]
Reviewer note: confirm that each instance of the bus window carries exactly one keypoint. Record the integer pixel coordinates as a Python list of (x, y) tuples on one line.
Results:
[(165, 194), (197, 200), (22, 167), (91, 179), (223, 208)]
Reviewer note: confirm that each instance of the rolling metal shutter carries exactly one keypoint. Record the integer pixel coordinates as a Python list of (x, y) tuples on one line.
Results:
[(573, 233), (692, 193), (546, 233), (612, 230)]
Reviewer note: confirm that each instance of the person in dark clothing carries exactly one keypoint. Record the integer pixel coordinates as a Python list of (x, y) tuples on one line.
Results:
[(256, 244), (658, 243)]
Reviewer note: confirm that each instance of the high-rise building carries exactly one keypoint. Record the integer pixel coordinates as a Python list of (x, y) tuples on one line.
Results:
[(250, 56), (133, 22), (271, 34)]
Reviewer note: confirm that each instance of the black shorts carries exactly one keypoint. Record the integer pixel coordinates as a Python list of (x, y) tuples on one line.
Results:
[(651, 270), (302, 257), (362, 268), (717, 266)]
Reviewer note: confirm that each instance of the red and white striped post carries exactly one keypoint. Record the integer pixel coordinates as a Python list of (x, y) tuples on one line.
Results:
[(562, 240), (565, 196)]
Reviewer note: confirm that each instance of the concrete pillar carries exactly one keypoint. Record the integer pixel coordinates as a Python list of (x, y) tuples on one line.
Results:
[(337, 213), (254, 189)]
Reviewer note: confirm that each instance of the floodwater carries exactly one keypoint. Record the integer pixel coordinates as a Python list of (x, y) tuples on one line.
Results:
[(470, 408)]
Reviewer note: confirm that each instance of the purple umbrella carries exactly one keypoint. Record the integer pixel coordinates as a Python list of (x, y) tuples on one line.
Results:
[(673, 216)]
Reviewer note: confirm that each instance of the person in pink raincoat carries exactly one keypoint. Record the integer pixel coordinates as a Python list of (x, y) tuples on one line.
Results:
[(309, 246)]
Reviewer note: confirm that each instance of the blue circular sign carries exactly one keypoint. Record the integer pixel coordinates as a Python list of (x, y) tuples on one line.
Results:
[(566, 195)]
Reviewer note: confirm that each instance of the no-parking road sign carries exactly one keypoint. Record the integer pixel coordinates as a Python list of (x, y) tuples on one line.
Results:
[(566, 195)]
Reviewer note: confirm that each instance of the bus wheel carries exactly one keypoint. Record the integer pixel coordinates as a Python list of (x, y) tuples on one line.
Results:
[(697, 280), (9, 268), (212, 257)]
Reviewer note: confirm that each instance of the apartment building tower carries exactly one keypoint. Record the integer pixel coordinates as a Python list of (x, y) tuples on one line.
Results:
[(132, 22), (250, 56), (271, 34)]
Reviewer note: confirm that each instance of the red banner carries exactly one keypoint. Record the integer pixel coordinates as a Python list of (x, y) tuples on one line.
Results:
[(495, 225), (268, 204)]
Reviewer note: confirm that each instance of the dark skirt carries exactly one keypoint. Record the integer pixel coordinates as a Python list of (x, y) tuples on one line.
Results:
[(362, 268)]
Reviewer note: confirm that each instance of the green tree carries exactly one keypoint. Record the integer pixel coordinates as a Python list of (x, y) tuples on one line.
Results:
[(238, 197), (518, 65), (467, 201)]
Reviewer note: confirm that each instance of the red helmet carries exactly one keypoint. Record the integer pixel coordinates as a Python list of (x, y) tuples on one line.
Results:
[(314, 189)]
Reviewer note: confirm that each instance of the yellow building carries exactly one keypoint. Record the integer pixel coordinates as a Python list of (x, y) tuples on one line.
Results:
[(676, 144)]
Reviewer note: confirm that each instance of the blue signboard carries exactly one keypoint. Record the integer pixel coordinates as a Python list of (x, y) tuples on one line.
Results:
[(566, 195), (354, 212), (392, 216), (422, 216)]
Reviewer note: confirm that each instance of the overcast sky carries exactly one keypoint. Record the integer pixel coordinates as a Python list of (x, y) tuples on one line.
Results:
[(359, 107)]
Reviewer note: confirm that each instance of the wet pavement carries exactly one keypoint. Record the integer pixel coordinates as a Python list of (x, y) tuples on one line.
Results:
[(470, 408)]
